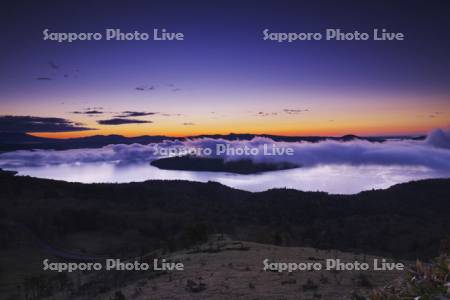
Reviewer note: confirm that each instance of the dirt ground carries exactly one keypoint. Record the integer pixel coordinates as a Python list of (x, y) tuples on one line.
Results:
[(225, 269)]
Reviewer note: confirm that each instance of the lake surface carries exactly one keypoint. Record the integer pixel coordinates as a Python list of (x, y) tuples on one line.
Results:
[(337, 179)]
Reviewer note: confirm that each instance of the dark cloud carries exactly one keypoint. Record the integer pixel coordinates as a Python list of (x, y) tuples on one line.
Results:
[(188, 124), (126, 114), (38, 124), (44, 78), (88, 112), (121, 121)]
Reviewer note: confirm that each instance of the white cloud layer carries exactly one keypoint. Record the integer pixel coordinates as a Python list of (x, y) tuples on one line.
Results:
[(434, 153)]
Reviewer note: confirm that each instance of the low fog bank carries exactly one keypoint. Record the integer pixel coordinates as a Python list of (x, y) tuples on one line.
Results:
[(433, 152)]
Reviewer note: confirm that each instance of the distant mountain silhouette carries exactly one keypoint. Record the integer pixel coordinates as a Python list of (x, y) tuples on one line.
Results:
[(242, 166), (23, 141), (5, 172)]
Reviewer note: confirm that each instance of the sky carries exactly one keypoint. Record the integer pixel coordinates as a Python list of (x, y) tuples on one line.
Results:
[(223, 77)]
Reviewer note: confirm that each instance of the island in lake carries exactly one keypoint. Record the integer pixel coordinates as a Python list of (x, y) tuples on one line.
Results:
[(196, 163)]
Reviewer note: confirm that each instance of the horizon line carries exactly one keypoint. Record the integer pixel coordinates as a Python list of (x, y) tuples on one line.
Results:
[(57, 135)]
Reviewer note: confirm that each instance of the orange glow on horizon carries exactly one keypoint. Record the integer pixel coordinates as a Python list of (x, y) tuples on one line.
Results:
[(317, 131), (332, 119)]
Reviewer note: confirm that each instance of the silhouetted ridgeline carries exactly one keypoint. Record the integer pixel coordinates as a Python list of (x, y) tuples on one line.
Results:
[(10, 141), (407, 220)]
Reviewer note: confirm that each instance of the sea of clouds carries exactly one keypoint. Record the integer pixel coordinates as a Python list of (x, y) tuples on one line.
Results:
[(433, 152)]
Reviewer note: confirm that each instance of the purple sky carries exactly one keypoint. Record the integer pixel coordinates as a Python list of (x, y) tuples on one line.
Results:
[(224, 77)]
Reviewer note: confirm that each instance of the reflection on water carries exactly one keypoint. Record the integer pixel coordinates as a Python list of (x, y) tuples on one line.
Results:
[(339, 179)]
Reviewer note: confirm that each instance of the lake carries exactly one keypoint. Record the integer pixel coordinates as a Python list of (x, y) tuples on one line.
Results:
[(337, 179)]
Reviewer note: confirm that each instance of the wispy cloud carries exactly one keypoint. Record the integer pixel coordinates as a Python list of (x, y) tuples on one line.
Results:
[(142, 88), (294, 111), (126, 114), (266, 114), (53, 65), (57, 71), (152, 87), (170, 115), (88, 112)]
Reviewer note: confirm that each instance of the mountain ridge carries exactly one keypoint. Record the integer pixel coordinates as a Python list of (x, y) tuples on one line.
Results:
[(11, 141)]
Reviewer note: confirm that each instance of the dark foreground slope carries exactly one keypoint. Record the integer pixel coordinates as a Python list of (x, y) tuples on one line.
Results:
[(406, 221)]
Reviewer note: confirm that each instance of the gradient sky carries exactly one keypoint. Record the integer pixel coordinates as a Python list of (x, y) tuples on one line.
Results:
[(223, 77)]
